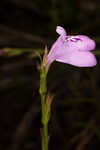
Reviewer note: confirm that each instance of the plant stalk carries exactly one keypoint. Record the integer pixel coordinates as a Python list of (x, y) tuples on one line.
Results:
[(43, 91)]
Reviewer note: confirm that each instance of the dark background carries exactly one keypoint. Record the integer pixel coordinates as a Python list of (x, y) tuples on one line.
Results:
[(26, 26)]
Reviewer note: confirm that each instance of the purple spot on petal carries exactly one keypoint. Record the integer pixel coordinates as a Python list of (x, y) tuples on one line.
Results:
[(72, 38)]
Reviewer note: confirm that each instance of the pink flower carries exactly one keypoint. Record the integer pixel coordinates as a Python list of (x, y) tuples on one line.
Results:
[(74, 50)]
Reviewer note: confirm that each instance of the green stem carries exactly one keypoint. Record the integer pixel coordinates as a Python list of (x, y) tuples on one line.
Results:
[(45, 137), (43, 91)]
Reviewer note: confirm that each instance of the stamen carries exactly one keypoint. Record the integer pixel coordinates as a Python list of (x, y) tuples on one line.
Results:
[(72, 38)]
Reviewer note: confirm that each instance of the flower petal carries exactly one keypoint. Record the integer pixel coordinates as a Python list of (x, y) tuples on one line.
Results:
[(79, 59), (56, 49), (61, 31), (84, 43)]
